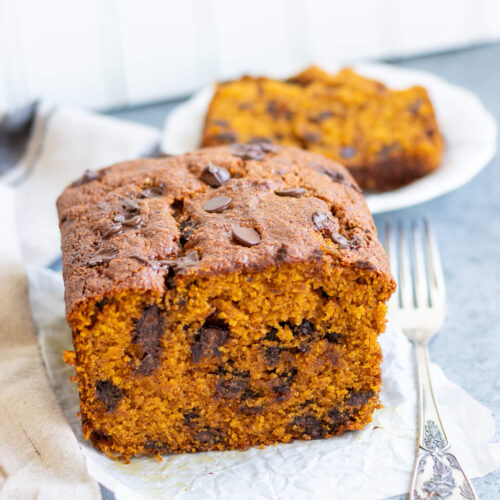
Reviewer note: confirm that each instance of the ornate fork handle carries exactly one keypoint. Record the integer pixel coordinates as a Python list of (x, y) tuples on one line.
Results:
[(437, 473)]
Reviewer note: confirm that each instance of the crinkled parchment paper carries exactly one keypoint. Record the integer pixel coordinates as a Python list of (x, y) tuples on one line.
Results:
[(370, 464)]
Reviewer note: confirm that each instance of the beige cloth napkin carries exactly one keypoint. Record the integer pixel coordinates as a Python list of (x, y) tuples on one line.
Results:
[(39, 454)]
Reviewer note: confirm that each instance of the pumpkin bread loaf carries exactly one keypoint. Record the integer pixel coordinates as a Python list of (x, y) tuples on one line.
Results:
[(386, 138), (226, 298)]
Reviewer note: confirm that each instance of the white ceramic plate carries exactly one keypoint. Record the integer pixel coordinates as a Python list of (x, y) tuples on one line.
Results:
[(469, 132)]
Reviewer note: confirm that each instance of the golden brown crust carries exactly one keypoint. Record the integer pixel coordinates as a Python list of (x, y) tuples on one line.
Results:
[(386, 138), (285, 224)]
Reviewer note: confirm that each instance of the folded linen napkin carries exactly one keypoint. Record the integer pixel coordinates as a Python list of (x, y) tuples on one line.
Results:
[(42, 149)]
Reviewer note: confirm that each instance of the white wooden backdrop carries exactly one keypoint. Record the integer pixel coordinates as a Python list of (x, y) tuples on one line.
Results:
[(109, 53)]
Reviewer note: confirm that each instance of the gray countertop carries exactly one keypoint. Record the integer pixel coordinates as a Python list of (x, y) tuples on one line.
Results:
[(467, 223)]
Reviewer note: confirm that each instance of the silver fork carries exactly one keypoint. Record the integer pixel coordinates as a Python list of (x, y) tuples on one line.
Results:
[(418, 307)]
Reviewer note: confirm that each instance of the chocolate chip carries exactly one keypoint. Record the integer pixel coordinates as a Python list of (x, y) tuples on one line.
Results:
[(108, 393), (272, 355), (190, 417), (365, 264), (386, 151), (312, 137), (250, 410), (282, 253), (256, 149), (415, 106), (292, 192), (333, 338), (321, 117), (186, 228), (246, 236), (112, 230), (250, 394), (102, 255), (152, 192), (337, 418), (226, 137), (221, 123), (131, 207), (217, 204), (282, 388), (229, 389), (348, 151), (320, 219), (184, 263), (214, 176), (208, 436), (88, 176), (359, 398), (309, 425), (157, 446), (272, 334), (305, 329), (279, 110), (148, 333), (326, 226), (208, 340), (134, 221), (101, 303)]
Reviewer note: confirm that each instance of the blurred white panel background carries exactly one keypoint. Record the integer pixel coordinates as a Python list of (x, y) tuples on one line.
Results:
[(112, 53)]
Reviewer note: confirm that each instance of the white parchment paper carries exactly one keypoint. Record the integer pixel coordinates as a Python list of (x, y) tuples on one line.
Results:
[(369, 464)]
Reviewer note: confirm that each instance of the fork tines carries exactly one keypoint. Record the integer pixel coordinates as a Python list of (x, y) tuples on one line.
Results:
[(415, 264)]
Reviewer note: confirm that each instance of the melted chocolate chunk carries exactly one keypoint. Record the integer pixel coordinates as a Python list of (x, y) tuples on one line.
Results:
[(305, 329), (217, 204), (333, 338), (415, 106), (337, 419), (190, 418), (250, 394), (88, 176), (131, 207), (101, 256), (279, 110), (226, 137), (184, 263), (282, 388), (282, 253), (208, 436), (215, 176), (272, 355), (108, 393), (321, 117), (312, 137), (326, 226), (386, 151), (133, 221), (208, 340), (292, 192), (229, 389), (148, 333), (246, 236), (112, 230), (221, 123), (365, 264), (272, 334), (152, 192), (348, 151), (310, 426), (250, 410), (256, 149), (157, 446), (359, 398), (186, 228)]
